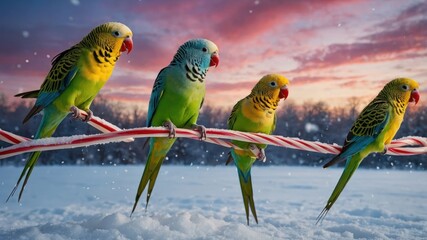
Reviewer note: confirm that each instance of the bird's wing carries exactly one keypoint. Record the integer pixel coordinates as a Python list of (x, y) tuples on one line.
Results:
[(61, 74), (156, 94), (233, 115), (365, 130)]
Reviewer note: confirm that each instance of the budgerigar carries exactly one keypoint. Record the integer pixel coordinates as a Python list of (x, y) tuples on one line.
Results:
[(76, 76), (373, 129), (255, 113), (176, 98)]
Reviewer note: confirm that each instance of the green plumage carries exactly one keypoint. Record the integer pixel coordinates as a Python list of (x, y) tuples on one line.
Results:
[(74, 80), (176, 98), (375, 127), (255, 113)]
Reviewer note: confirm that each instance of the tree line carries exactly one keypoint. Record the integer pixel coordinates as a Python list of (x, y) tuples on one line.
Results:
[(314, 121)]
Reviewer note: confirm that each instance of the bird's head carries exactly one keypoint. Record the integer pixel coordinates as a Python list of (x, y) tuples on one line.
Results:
[(113, 35), (203, 51), (275, 86), (404, 89)]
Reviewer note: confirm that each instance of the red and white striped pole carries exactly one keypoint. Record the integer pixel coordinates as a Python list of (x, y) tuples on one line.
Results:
[(113, 133)]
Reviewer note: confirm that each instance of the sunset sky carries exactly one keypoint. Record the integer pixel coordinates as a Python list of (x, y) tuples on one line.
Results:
[(330, 50)]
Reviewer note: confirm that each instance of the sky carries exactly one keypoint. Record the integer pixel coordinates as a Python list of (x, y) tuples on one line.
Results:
[(331, 51)]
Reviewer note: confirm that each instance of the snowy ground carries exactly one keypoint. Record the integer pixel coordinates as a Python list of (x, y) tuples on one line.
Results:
[(205, 203)]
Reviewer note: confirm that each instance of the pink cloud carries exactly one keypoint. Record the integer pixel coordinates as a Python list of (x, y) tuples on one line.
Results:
[(416, 10), (156, 43), (237, 22), (310, 79), (406, 41), (127, 97), (221, 87)]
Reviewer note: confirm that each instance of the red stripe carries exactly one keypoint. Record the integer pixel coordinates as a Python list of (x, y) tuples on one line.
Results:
[(328, 149), (9, 137), (395, 150), (269, 139), (306, 144), (418, 141), (109, 128), (278, 140), (289, 143)]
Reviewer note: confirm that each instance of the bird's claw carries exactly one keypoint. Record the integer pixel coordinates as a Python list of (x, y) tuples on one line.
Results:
[(201, 129), (78, 114), (75, 112), (258, 152), (89, 116), (172, 131)]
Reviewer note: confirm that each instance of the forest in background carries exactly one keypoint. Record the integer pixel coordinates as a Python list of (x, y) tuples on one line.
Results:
[(314, 121)]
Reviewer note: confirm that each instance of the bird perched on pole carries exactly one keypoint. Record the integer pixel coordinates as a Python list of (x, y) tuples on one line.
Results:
[(375, 127), (177, 96), (76, 76), (255, 113)]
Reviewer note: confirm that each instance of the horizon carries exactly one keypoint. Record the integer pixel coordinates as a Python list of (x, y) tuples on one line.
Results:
[(331, 51)]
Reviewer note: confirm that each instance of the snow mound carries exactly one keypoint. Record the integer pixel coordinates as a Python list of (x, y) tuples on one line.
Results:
[(95, 203)]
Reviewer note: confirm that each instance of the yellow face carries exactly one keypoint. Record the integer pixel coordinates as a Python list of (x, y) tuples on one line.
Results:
[(405, 89), (116, 35), (273, 85)]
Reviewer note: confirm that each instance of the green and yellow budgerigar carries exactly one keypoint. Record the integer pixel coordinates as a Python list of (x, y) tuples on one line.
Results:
[(176, 98), (375, 127), (255, 113), (76, 76)]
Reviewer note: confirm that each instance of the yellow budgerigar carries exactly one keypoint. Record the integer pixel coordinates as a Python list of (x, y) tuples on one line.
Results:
[(373, 130), (255, 113), (76, 76)]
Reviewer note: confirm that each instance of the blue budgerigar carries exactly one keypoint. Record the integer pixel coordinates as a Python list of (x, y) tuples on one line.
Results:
[(176, 98)]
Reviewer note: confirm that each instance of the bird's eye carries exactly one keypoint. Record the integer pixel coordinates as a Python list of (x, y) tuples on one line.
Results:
[(116, 33), (204, 49), (273, 84), (405, 87)]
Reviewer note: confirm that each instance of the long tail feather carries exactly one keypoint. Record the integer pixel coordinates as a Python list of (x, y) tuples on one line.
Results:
[(152, 182), (27, 172), (158, 151), (33, 111), (247, 194), (322, 215), (149, 176), (49, 123), (142, 184), (333, 161), (29, 94), (351, 166), (229, 159)]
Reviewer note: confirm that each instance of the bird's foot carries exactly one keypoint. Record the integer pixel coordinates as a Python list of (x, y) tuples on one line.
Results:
[(89, 115), (79, 114), (258, 152), (172, 128), (201, 129)]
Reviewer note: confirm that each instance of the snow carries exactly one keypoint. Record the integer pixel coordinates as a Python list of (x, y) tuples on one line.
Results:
[(311, 127), (200, 202)]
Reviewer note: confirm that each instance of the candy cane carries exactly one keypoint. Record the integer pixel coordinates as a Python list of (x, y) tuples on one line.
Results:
[(215, 136), (103, 125), (11, 138)]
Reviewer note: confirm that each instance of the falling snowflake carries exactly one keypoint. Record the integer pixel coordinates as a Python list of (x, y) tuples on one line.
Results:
[(25, 34), (75, 2), (310, 127)]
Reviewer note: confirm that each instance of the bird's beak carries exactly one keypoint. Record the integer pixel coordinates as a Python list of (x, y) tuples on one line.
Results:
[(214, 60), (415, 96), (127, 45), (284, 92)]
